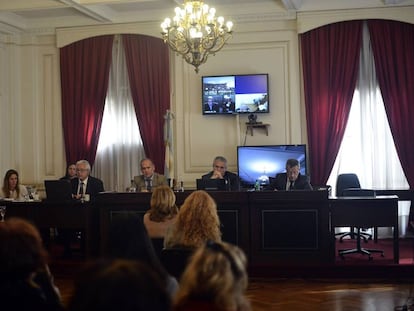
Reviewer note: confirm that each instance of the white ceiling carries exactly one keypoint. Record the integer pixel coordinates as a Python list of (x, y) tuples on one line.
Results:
[(19, 16)]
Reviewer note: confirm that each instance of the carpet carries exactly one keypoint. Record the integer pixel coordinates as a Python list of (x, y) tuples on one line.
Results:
[(406, 247)]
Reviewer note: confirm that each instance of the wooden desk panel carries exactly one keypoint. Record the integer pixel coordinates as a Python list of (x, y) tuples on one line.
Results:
[(73, 215), (273, 228), (381, 211), (232, 209), (290, 228)]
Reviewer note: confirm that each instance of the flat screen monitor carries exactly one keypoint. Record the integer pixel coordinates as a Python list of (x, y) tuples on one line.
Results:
[(58, 190), (211, 184), (234, 94), (261, 162)]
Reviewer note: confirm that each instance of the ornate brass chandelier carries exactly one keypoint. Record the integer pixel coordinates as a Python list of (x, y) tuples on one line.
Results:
[(195, 32)]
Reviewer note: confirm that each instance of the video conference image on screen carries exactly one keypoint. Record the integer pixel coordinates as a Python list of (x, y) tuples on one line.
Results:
[(261, 162), (235, 94)]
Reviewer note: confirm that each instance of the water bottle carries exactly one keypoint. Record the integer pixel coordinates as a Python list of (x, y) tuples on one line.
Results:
[(181, 186), (133, 187), (257, 186)]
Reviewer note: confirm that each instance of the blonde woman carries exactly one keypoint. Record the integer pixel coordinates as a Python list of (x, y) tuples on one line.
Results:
[(163, 212), (197, 222), (215, 280)]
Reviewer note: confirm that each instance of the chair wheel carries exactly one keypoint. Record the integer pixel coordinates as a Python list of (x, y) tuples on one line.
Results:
[(370, 258)]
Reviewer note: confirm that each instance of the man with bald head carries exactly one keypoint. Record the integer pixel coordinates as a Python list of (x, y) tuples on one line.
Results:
[(149, 179)]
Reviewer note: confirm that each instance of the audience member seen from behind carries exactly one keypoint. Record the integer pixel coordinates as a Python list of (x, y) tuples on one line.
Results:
[(126, 285), (215, 279), (220, 172), (85, 186), (197, 222), (70, 172), (292, 179), (12, 189), (149, 179), (163, 212), (128, 239), (25, 280)]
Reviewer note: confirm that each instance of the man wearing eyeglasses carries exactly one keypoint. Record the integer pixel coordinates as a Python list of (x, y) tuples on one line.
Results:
[(292, 179), (220, 172), (85, 187)]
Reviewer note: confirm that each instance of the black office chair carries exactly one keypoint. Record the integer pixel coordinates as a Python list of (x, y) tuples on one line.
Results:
[(345, 182), (175, 260), (158, 244), (360, 250)]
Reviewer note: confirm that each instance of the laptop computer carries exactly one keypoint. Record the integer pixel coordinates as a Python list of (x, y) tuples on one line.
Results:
[(212, 184), (58, 190)]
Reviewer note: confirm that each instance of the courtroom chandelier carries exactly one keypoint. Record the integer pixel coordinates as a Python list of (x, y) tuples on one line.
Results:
[(195, 32)]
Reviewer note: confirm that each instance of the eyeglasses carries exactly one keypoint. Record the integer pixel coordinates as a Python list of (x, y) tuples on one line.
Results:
[(81, 169)]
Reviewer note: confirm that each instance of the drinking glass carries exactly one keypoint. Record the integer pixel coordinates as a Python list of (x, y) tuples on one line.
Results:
[(2, 212)]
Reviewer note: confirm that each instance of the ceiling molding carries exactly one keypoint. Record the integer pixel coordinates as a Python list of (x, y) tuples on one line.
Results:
[(292, 5), (95, 14), (11, 23)]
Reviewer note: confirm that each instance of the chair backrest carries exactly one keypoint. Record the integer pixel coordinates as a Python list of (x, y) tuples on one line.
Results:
[(158, 244), (346, 181), (353, 192), (175, 260)]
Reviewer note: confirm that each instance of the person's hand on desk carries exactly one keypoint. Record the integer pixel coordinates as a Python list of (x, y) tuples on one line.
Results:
[(216, 175)]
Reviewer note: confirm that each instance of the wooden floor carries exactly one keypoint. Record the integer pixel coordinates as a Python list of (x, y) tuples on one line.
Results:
[(340, 288), (307, 294), (332, 295)]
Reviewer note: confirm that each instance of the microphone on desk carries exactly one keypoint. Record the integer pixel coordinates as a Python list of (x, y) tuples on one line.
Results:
[(228, 184)]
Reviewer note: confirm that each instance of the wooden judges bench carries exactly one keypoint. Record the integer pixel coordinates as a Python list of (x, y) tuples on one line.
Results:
[(273, 228)]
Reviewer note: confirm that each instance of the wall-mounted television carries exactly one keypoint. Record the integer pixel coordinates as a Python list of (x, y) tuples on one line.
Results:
[(232, 94), (261, 162)]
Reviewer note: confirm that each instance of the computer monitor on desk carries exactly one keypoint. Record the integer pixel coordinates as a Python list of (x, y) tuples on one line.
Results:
[(212, 184), (58, 190)]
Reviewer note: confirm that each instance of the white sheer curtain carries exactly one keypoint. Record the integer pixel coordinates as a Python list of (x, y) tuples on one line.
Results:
[(120, 146), (368, 147)]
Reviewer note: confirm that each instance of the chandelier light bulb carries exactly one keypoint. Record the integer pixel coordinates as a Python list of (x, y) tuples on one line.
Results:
[(195, 32)]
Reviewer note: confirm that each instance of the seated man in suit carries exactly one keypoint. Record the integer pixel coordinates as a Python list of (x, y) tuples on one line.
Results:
[(85, 186), (292, 179), (220, 172), (149, 178), (211, 106)]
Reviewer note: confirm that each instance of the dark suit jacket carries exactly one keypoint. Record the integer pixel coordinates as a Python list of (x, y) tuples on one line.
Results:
[(233, 180), (93, 187), (279, 183), (215, 107)]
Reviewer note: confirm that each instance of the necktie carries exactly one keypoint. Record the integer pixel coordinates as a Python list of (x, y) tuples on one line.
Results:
[(81, 191), (148, 181), (291, 186)]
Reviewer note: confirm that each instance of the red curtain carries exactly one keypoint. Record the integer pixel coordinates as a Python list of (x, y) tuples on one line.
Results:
[(393, 48), (84, 68), (330, 57), (147, 60)]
